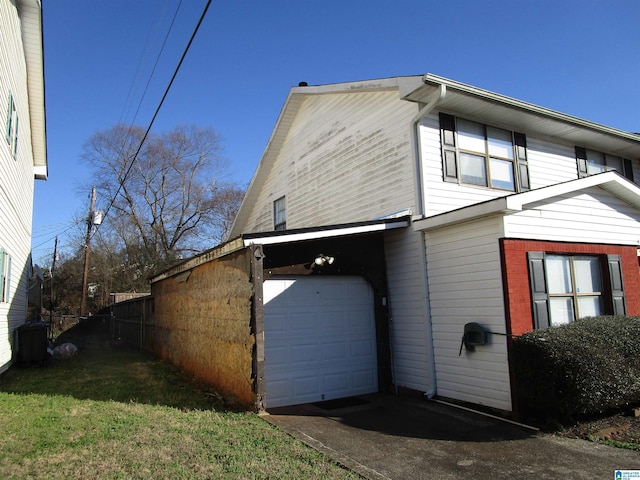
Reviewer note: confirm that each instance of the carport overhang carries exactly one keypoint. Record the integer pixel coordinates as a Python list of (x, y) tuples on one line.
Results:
[(357, 249), (323, 232)]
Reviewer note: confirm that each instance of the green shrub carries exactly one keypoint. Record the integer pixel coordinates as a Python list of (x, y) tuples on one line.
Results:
[(588, 367)]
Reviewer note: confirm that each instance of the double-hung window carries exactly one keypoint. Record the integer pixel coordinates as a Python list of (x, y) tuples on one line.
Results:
[(279, 214), (5, 275), (566, 288), (591, 162), (11, 132), (477, 154)]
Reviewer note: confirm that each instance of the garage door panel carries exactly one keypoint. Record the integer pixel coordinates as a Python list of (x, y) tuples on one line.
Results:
[(334, 351), (363, 378), (362, 349), (319, 339), (336, 385), (305, 354), (306, 386)]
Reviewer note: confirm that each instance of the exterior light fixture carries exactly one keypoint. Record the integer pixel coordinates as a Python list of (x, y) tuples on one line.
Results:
[(322, 260)]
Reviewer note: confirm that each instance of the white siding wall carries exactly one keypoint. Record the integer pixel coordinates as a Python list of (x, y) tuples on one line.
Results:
[(593, 215), (348, 157), (410, 336), (16, 179), (549, 163), (465, 285)]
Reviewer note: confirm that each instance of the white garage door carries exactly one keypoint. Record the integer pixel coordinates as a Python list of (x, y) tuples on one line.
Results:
[(320, 340)]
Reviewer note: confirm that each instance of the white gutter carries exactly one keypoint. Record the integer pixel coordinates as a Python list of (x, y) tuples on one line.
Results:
[(432, 101)]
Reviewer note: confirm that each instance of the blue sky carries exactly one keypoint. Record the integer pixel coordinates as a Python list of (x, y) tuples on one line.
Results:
[(580, 57)]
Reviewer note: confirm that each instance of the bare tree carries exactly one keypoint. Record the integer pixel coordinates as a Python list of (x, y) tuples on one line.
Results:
[(168, 203)]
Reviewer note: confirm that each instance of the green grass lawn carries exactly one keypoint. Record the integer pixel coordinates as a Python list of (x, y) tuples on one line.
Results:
[(112, 412)]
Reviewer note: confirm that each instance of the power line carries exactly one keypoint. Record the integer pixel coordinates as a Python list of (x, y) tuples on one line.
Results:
[(143, 59), (153, 70), (157, 111)]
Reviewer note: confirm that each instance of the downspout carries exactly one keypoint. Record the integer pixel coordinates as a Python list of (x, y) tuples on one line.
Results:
[(415, 125)]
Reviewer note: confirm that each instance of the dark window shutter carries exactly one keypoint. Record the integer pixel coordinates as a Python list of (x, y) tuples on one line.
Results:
[(538, 284), (448, 141), (628, 168), (617, 286), (581, 158), (8, 131), (522, 164)]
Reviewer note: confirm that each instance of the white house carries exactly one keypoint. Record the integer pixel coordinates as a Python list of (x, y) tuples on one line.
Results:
[(23, 157), (491, 211)]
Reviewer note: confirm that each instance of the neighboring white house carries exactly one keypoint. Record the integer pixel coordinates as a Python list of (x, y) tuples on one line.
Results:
[(515, 217), (22, 158)]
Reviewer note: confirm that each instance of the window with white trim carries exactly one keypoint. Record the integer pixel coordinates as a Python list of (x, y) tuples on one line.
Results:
[(591, 162), (5, 275), (279, 214), (477, 154), (565, 288)]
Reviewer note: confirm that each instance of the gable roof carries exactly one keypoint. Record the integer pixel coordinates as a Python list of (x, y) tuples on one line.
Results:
[(30, 12), (287, 115), (453, 97), (609, 181)]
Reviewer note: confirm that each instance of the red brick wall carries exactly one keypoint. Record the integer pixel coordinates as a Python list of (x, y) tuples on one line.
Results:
[(515, 274)]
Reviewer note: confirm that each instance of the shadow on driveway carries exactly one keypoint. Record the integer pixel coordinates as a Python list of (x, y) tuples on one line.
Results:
[(404, 438)]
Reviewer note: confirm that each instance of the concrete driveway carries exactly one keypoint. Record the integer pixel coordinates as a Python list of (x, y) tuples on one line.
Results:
[(388, 437)]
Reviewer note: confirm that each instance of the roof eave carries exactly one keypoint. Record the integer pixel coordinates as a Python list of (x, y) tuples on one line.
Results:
[(32, 39), (500, 110)]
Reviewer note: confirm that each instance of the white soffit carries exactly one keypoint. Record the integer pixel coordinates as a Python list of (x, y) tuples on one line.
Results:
[(30, 12), (299, 235), (610, 181), (502, 111)]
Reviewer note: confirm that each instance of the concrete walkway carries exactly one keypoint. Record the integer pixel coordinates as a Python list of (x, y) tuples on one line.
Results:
[(389, 437)]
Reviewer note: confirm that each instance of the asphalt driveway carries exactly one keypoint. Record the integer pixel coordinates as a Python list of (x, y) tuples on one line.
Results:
[(388, 437)]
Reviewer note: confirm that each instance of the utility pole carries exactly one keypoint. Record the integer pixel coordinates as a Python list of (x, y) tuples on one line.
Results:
[(87, 248), (53, 267)]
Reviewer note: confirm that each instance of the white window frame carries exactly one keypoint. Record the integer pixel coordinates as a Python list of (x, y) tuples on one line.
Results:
[(280, 214), (468, 145), (592, 162), (572, 292), (5, 276)]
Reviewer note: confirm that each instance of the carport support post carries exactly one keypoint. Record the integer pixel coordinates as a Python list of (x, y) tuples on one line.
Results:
[(257, 314)]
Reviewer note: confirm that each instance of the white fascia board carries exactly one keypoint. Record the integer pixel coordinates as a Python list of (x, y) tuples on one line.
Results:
[(31, 24), (322, 233), (462, 214), (391, 83)]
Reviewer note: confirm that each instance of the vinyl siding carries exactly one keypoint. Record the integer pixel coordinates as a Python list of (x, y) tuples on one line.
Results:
[(409, 325), (593, 215), (16, 180), (465, 285), (550, 163), (347, 157)]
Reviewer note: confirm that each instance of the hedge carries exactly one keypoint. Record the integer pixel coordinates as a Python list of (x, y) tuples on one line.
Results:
[(588, 367)]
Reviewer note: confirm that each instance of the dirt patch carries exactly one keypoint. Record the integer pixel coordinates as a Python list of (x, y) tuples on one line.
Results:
[(621, 428)]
